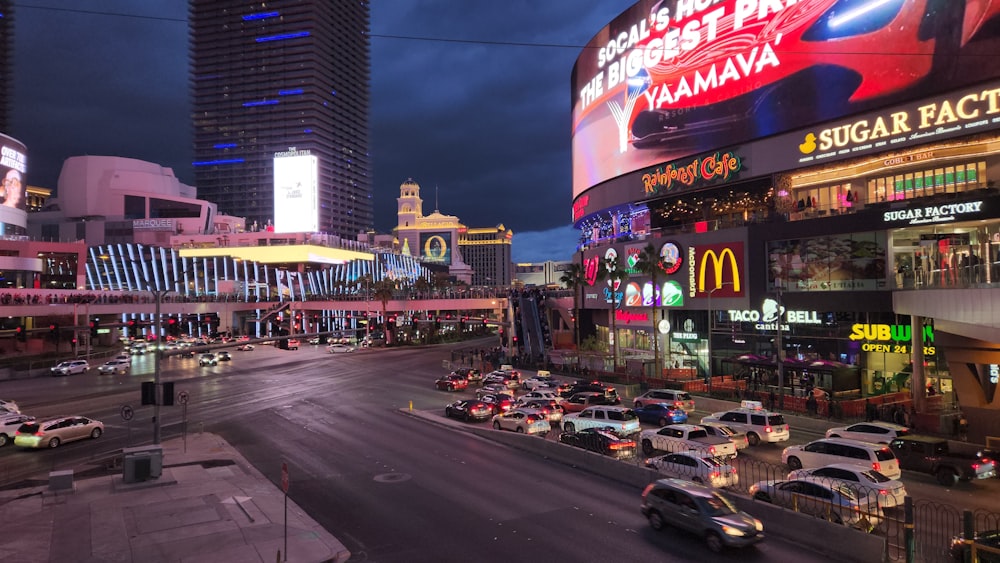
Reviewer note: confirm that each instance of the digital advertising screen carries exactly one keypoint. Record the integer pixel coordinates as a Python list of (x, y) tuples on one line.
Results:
[(13, 170), (672, 78), (436, 247), (296, 193)]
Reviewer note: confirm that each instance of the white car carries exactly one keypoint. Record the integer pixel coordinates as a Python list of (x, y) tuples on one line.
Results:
[(834, 502), (114, 366), (339, 348), (875, 432), (867, 483), (208, 359), (828, 451), (245, 348), (622, 420), (9, 406), (539, 382), (522, 421), (693, 466), (71, 367), (758, 424), (9, 423), (124, 358), (54, 431), (542, 394), (679, 399)]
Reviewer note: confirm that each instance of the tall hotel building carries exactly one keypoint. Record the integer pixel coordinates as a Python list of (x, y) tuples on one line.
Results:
[(6, 61), (277, 76)]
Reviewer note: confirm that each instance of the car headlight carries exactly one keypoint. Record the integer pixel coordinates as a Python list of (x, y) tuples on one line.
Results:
[(758, 525), (731, 531)]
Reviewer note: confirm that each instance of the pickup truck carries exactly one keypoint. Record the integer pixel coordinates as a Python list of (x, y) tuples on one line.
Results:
[(686, 437), (931, 455)]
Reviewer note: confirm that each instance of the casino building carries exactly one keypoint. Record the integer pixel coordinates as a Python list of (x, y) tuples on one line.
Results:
[(836, 225)]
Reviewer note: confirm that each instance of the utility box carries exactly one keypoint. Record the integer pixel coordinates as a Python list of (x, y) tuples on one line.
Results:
[(142, 463)]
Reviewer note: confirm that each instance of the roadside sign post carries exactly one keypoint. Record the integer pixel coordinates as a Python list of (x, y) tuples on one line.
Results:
[(284, 487), (182, 398), (127, 414)]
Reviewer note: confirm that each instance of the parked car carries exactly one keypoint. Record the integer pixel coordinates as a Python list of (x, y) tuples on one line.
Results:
[(451, 382), (696, 467), (52, 432), (208, 359), (739, 439), (868, 483), (604, 441), (758, 424), (831, 501), (9, 423), (677, 398), (623, 420), (875, 432), (701, 511), (522, 421), (661, 414), (469, 410), (70, 367), (933, 456), (828, 451), (114, 366)]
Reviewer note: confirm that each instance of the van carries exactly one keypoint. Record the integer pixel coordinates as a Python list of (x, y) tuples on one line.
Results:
[(9, 423), (827, 451), (675, 397)]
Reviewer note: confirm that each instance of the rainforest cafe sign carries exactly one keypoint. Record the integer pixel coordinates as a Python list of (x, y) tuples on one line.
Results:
[(700, 171)]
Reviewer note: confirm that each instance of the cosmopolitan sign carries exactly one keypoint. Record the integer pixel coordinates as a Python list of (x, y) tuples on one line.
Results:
[(934, 213)]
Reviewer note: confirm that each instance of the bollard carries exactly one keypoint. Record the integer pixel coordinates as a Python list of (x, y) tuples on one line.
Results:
[(908, 541), (969, 537)]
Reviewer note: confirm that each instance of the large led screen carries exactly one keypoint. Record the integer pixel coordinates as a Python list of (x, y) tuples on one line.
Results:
[(296, 194), (834, 263), (671, 78), (13, 170), (436, 247)]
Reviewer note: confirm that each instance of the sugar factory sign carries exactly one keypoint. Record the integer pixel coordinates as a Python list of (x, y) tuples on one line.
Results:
[(153, 225), (920, 215)]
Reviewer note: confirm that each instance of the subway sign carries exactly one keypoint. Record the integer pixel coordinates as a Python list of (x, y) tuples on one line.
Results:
[(716, 270), (891, 339)]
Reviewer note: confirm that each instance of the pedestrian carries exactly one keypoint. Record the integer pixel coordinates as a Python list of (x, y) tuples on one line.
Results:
[(811, 406), (963, 427), (869, 410), (773, 399)]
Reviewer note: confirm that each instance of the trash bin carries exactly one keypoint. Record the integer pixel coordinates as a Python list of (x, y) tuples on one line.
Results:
[(142, 463)]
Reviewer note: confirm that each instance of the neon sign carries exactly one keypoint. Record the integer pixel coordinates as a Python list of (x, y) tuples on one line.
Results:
[(715, 167)]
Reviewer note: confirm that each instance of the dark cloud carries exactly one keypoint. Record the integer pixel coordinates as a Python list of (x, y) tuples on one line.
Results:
[(485, 121)]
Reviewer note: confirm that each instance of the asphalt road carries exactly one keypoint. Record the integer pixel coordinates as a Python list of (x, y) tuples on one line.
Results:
[(391, 487)]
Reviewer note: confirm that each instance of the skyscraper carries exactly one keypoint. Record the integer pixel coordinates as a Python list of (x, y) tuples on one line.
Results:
[(6, 62), (289, 77)]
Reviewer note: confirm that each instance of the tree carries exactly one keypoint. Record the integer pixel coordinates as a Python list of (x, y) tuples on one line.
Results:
[(615, 276), (649, 263), (574, 280), (384, 291)]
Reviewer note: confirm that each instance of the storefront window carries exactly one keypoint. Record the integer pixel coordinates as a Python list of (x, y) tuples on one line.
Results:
[(836, 263)]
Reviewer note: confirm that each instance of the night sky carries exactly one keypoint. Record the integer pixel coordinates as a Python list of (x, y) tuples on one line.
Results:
[(470, 98)]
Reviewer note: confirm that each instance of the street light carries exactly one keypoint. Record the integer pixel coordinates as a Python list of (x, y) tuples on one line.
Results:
[(711, 325), (158, 294)]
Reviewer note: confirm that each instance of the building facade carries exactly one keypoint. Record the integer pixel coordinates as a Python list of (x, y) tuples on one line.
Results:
[(278, 77), (816, 232), (488, 252), (6, 62)]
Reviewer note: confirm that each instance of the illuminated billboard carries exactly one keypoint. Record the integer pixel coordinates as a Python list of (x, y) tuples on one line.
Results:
[(436, 247), (672, 78), (296, 192), (13, 171)]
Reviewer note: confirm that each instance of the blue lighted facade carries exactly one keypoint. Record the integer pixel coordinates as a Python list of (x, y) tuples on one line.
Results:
[(263, 78)]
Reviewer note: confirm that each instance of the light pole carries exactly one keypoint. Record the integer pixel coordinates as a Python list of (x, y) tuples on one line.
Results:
[(711, 325), (781, 353), (158, 295)]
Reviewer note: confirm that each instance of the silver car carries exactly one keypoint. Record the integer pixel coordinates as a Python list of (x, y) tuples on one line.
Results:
[(701, 511), (867, 483), (114, 366), (71, 367), (835, 502), (695, 467), (52, 432), (522, 421)]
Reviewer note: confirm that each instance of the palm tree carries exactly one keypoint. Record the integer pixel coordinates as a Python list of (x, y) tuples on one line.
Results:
[(383, 291), (573, 279), (649, 263), (421, 286), (615, 275)]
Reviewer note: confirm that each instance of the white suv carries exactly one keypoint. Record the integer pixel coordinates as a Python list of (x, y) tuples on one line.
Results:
[(71, 367), (758, 424), (679, 399), (622, 420), (828, 451)]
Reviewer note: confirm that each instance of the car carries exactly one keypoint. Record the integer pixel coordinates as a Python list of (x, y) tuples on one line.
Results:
[(469, 410), (138, 349), (208, 359), (9, 407), (875, 432), (867, 483), (758, 424), (492, 388), (696, 467), (114, 366), (673, 397), (623, 420), (827, 451), (52, 432), (604, 441), (70, 367), (9, 423), (835, 502), (498, 402), (224, 356), (579, 401), (551, 408), (293, 344), (739, 439), (124, 358), (539, 382), (700, 510), (610, 393), (314, 341), (661, 414), (472, 375), (339, 348), (512, 380), (543, 394), (522, 421), (245, 348), (451, 382), (960, 550)]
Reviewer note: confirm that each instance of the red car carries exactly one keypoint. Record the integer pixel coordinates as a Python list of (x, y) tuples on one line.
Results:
[(451, 382)]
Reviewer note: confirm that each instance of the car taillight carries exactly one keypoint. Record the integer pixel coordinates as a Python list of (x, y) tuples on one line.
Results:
[(531, 420), (715, 475), (767, 429), (877, 466), (678, 404), (622, 445), (883, 492), (975, 466), (711, 449)]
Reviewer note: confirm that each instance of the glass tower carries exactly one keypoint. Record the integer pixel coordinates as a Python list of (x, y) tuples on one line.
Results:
[(6, 59), (269, 76)]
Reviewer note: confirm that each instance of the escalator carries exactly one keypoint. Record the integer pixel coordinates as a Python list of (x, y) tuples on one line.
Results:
[(531, 327)]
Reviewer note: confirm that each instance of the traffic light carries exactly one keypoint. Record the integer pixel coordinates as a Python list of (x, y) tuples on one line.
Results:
[(21, 333), (93, 329), (168, 393), (54, 331)]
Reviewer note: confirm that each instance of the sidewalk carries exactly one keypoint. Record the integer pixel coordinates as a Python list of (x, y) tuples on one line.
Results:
[(210, 505)]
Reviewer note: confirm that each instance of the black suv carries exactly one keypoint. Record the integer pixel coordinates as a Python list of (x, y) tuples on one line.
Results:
[(610, 393)]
